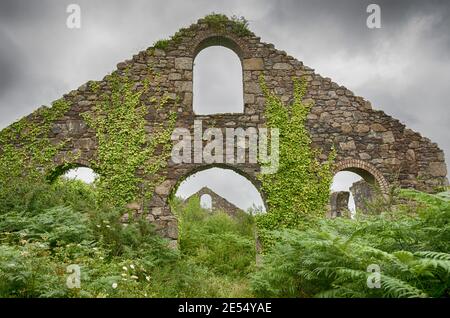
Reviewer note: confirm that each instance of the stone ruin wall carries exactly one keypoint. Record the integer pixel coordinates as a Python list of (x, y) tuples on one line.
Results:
[(367, 141), (218, 203)]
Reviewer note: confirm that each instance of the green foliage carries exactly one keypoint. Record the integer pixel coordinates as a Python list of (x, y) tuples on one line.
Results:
[(238, 25), (25, 150), (124, 146), (46, 227), (216, 240), (299, 190), (57, 226), (411, 250), (161, 44), (217, 22), (32, 198), (61, 224), (27, 271)]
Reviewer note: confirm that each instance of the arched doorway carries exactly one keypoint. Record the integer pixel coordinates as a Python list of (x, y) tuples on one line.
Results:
[(215, 208), (233, 185)]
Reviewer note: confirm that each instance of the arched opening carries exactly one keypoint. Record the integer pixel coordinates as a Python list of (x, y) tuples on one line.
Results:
[(342, 182), (73, 171), (217, 81), (222, 235), (355, 184), (236, 187), (206, 202), (84, 174)]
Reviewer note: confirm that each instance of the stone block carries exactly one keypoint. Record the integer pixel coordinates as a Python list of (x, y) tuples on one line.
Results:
[(183, 63), (339, 204), (253, 64), (437, 169), (362, 194), (388, 137), (282, 66), (349, 145)]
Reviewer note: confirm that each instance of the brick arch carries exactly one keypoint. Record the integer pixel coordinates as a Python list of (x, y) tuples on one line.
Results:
[(366, 170)]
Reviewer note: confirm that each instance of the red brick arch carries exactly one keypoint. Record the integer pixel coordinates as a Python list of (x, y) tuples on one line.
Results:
[(366, 170)]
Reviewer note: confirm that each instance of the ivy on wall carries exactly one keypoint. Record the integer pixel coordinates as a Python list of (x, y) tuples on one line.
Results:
[(299, 191), (25, 149), (128, 157)]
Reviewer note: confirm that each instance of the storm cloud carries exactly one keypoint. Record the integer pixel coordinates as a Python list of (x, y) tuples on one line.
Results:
[(402, 68)]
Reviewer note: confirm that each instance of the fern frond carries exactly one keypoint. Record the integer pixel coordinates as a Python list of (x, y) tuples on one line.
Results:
[(434, 255), (400, 289)]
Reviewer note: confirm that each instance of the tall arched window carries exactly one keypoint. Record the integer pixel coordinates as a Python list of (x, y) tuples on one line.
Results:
[(217, 82)]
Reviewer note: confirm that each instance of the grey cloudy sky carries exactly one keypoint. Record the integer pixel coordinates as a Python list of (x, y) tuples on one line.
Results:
[(402, 68)]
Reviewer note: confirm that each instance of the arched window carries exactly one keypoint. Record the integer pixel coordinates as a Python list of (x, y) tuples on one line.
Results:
[(217, 82), (206, 202)]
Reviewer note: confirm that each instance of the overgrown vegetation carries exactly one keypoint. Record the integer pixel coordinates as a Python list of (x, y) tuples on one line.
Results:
[(25, 149), (410, 245), (218, 22), (238, 25), (299, 191), (44, 228), (124, 146)]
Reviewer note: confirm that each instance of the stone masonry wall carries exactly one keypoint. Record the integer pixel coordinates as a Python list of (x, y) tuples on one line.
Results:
[(367, 141)]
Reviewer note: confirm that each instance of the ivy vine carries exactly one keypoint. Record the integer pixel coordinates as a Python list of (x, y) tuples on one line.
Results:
[(25, 148), (299, 191), (128, 157)]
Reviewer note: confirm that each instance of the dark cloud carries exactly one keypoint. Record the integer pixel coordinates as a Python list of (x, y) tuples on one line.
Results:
[(402, 68), (8, 55)]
